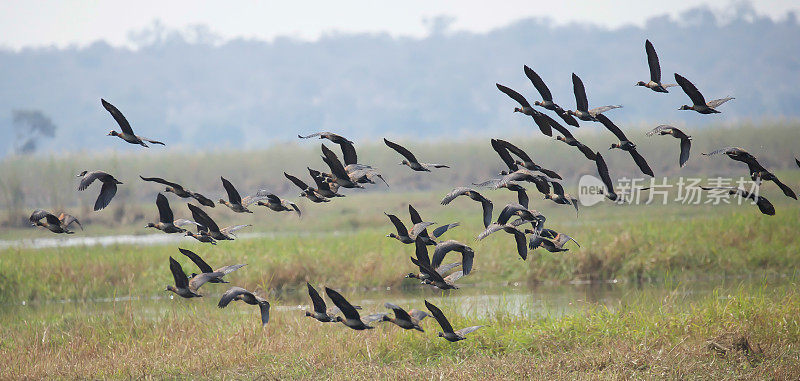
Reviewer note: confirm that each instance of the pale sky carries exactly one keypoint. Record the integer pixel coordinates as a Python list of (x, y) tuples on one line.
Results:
[(37, 23)]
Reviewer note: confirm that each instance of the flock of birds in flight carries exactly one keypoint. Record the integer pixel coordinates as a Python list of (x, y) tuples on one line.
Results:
[(351, 174)]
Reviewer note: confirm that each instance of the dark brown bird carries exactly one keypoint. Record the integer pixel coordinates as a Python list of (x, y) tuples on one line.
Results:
[(207, 226), (308, 192), (559, 197), (205, 268), (235, 201), (442, 248), (625, 144), (338, 171), (325, 188), (165, 218), (56, 224), (547, 98), (602, 171), (107, 191), (348, 150), (277, 204), (763, 204), (699, 102), (424, 263), (519, 237), (403, 319), (527, 109), (404, 235), (447, 329), (180, 191), (410, 160), (582, 111), (185, 287), (686, 140), (569, 139), (550, 240), (127, 132), (486, 204), (655, 71), (238, 293), (505, 149), (352, 318), (320, 312)]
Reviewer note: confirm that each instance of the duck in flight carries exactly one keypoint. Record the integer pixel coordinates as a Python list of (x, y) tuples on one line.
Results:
[(127, 132), (107, 191), (447, 329), (180, 191), (699, 103), (686, 140), (625, 144), (410, 160), (165, 218), (655, 71), (582, 111), (527, 109), (547, 97), (56, 224)]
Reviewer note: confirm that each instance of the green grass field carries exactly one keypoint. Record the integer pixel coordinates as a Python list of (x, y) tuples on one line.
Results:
[(674, 291)]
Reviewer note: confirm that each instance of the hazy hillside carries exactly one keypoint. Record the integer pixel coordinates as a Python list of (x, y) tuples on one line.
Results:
[(249, 93)]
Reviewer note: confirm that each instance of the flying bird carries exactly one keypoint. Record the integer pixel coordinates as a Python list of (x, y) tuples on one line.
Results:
[(107, 191), (655, 71), (352, 319), (625, 144), (180, 191), (582, 111), (547, 98), (205, 268), (410, 160), (527, 109), (238, 293), (166, 222), (127, 132), (447, 329), (185, 287), (235, 201), (486, 204), (699, 103), (320, 310), (504, 149), (763, 204), (686, 140), (56, 224)]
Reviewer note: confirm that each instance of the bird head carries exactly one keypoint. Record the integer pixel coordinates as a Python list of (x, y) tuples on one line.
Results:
[(537, 103), (614, 145), (171, 288), (640, 83), (517, 109), (685, 107), (169, 189), (391, 235), (81, 174), (404, 162), (411, 276), (113, 133), (150, 225), (441, 334)]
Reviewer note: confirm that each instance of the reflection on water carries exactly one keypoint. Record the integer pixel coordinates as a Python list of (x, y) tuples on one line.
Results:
[(476, 301)]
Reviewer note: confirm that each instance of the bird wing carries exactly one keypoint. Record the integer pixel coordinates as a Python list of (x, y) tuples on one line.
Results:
[(200, 279), (514, 95), (349, 153), (652, 62), (785, 188), (123, 123), (164, 211), (602, 170), (312, 135), (599, 110), (401, 228), (181, 281), (558, 189), (161, 181), (150, 140), (299, 183), (690, 90), (504, 155), (38, 214), (444, 269), (464, 331), (201, 264), (718, 102), (487, 210), (89, 178), (542, 122), (231, 295), (522, 197), (439, 316), (455, 193), (641, 162), (347, 309), (203, 219), (612, 127), (418, 315), (421, 251), (522, 242), (452, 278), (399, 313), (52, 219), (568, 119), (401, 150), (107, 192), (686, 145), (419, 229), (539, 84), (263, 306), (333, 162), (562, 239), (515, 150), (442, 248), (415, 217), (203, 200), (508, 211), (581, 103), (225, 270), (489, 230), (233, 195), (765, 206), (233, 229), (442, 229), (316, 299), (660, 128)]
